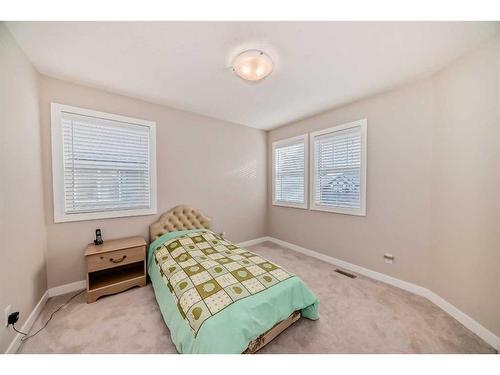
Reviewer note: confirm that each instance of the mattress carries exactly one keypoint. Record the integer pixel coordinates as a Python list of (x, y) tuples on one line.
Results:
[(216, 297)]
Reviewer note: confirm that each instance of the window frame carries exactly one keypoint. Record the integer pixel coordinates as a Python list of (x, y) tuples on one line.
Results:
[(339, 210), (281, 143), (60, 215)]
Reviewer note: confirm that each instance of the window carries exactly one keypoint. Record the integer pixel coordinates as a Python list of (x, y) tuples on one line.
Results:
[(338, 164), (103, 165), (290, 172)]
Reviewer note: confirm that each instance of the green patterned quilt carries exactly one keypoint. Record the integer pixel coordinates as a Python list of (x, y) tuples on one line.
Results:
[(206, 274)]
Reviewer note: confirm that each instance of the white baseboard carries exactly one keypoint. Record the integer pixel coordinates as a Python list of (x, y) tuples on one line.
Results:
[(459, 315), (255, 241), (466, 320), (16, 342), (67, 288), (354, 268), (52, 292)]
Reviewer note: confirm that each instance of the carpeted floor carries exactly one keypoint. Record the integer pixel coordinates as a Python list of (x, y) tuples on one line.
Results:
[(356, 316)]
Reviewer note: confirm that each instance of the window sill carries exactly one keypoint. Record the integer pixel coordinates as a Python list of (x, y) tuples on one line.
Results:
[(339, 210), (290, 205), (63, 217)]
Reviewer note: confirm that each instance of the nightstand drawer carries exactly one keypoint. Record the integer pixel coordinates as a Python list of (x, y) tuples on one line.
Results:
[(115, 258)]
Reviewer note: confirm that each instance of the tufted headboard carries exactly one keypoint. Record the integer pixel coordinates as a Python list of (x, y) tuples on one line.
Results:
[(178, 218)]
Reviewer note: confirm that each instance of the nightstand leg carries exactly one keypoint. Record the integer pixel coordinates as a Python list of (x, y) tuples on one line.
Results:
[(91, 297)]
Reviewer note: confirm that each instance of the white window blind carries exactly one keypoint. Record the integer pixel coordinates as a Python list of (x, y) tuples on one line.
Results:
[(338, 169), (289, 177), (106, 167)]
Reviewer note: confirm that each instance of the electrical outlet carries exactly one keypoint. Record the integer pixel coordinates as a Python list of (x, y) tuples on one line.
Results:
[(6, 312), (388, 258)]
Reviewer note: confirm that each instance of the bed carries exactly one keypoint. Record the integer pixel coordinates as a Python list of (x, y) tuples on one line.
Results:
[(215, 296)]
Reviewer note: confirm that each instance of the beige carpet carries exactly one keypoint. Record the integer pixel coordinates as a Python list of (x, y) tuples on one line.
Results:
[(356, 316)]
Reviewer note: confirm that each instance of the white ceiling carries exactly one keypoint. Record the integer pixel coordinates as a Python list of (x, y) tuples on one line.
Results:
[(319, 65)]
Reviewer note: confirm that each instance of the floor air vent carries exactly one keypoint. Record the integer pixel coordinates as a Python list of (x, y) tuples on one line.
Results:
[(345, 273)]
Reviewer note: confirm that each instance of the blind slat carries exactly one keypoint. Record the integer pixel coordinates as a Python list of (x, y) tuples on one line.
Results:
[(106, 164), (289, 170), (337, 169)]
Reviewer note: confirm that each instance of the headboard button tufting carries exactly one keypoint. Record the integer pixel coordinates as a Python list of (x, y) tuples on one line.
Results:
[(178, 218)]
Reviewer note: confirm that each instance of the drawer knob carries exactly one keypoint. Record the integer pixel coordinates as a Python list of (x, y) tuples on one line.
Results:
[(118, 260)]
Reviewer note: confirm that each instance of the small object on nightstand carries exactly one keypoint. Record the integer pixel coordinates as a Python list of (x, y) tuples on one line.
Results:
[(98, 237), (115, 266)]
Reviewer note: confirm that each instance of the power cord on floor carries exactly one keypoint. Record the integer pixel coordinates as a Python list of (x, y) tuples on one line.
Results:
[(27, 337)]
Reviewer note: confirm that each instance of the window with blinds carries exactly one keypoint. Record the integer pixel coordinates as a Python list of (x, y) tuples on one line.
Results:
[(103, 165), (290, 172), (339, 165)]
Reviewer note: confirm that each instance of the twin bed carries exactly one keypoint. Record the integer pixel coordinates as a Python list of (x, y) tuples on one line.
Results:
[(215, 296)]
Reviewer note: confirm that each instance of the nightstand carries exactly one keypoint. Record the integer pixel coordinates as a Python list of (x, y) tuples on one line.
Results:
[(115, 266)]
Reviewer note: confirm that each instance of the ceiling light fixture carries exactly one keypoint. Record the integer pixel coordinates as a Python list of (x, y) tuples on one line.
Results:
[(252, 65)]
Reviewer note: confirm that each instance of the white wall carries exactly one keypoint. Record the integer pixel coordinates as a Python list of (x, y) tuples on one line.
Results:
[(22, 227), (466, 185), (433, 184), (399, 152), (211, 164)]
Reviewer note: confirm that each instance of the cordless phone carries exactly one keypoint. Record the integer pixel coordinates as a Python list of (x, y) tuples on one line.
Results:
[(98, 237)]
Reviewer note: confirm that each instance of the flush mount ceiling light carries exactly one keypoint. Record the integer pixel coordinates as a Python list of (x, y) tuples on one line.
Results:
[(252, 65)]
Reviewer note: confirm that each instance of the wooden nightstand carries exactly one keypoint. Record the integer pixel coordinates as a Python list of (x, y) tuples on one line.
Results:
[(115, 266)]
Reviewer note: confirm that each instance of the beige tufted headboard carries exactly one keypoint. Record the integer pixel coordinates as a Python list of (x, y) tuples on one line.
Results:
[(181, 217)]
